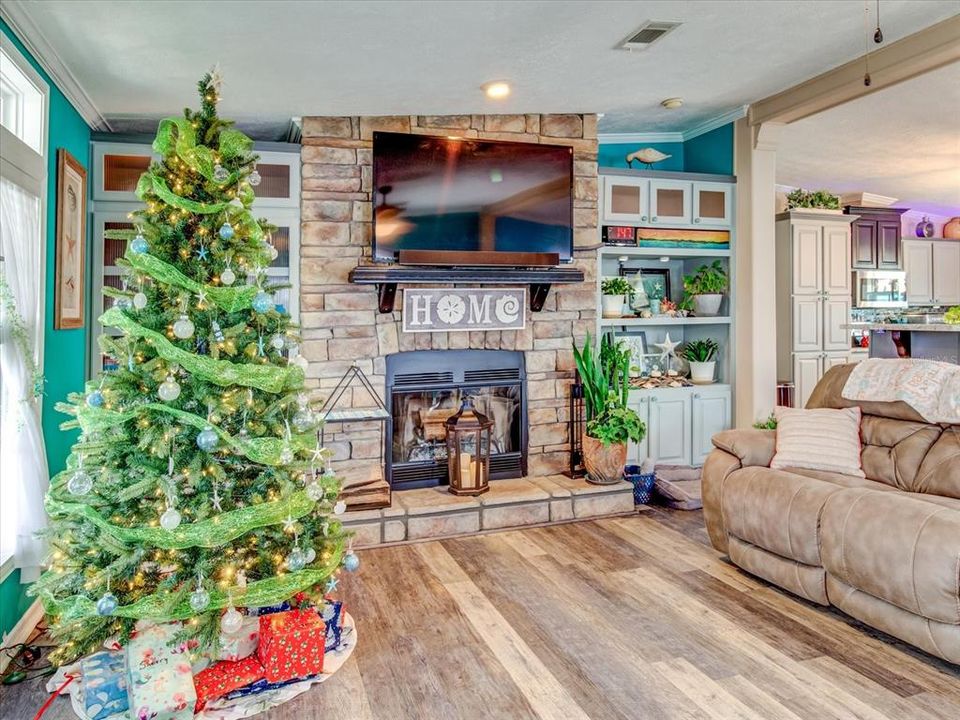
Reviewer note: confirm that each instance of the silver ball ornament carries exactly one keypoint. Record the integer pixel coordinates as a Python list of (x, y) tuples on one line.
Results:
[(199, 599), (207, 439), (272, 252), (227, 277), (232, 621), (80, 483), (183, 328), (107, 604), (303, 420), (170, 520), (220, 173), (296, 560), (254, 178), (315, 491), (351, 563), (140, 301), (169, 389), (286, 455), (310, 555)]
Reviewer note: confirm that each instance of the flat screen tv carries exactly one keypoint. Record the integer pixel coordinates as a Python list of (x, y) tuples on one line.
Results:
[(477, 197)]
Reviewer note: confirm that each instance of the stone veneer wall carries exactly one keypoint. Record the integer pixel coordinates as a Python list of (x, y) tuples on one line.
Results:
[(340, 322)]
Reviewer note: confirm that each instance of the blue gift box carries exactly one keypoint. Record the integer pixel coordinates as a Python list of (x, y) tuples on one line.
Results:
[(260, 686), (332, 614), (104, 684), (269, 609)]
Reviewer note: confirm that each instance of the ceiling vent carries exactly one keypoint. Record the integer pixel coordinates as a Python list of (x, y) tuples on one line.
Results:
[(647, 35)]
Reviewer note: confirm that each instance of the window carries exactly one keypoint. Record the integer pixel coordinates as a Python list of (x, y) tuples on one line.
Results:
[(23, 191)]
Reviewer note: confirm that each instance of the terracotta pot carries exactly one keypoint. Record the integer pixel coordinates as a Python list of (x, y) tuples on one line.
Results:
[(951, 229), (604, 463)]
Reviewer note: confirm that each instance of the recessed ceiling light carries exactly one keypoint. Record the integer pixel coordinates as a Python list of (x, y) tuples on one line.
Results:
[(496, 90), (672, 103)]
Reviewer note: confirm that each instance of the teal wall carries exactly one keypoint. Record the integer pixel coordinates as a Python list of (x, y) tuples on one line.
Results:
[(64, 351), (711, 152)]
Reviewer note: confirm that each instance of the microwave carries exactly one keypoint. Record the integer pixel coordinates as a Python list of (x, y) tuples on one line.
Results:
[(879, 289)]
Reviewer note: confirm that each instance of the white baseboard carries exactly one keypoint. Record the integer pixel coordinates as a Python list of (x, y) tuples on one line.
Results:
[(21, 631)]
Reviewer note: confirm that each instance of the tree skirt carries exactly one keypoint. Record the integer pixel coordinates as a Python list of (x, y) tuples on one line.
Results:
[(236, 709)]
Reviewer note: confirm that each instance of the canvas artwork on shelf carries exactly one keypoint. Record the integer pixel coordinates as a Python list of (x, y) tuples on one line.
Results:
[(71, 241), (702, 239)]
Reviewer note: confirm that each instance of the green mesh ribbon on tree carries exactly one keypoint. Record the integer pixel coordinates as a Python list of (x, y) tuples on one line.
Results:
[(197, 462)]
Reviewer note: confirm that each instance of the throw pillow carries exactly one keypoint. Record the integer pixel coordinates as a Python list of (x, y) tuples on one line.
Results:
[(821, 439)]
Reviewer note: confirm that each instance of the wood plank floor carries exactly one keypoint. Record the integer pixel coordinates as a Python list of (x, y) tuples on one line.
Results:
[(615, 619)]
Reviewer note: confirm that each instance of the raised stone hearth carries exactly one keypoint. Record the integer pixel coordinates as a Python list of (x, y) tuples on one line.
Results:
[(434, 513), (340, 321)]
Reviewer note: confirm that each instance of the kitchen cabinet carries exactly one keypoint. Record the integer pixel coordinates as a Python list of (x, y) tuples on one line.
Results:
[(625, 200), (680, 423), (671, 202), (933, 271), (875, 238), (813, 296), (713, 204)]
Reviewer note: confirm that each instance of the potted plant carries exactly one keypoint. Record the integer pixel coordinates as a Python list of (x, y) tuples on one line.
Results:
[(706, 287), (615, 292), (801, 199), (610, 424), (700, 354)]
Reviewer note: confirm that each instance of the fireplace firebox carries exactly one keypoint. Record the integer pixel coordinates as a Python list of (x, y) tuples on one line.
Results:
[(425, 387)]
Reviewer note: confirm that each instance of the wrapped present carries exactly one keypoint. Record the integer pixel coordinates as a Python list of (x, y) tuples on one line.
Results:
[(332, 614), (262, 686), (104, 684), (241, 644), (159, 677), (270, 609), (291, 644), (224, 677)]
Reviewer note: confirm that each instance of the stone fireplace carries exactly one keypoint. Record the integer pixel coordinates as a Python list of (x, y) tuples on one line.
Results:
[(341, 324)]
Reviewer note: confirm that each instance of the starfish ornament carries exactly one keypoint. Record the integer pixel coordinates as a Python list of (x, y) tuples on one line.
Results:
[(260, 346), (202, 252), (332, 584), (668, 348), (202, 298), (289, 524)]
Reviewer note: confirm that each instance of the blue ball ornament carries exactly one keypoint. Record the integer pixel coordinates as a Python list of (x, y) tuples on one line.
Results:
[(207, 439), (95, 399), (226, 231), (262, 302), (351, 563), (139, 245), (296, 560), (107, 604)]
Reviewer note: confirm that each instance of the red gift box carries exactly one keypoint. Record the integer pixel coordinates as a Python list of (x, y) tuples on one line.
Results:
[(226, 676), (291, 644)]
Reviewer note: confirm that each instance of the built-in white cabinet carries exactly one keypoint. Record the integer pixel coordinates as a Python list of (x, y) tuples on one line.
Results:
[(680, 423), (933, 271), (813, 297), (667, 201)]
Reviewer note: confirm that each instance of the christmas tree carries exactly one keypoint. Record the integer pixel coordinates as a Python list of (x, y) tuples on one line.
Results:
[(196, 485)]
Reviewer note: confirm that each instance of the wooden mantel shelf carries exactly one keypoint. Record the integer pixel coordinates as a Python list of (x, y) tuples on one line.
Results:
[(387, 277)]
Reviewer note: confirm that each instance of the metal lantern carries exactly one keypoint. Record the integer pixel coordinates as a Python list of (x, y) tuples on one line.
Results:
[(468, 450)]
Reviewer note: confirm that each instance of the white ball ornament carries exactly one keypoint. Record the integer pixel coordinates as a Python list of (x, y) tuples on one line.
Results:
[(80, 483), (315, 491), (140, 301), (228, 277), (199, 599), (207, 439), (169, 389), (232, 621), (340, 508), (170, 520), (183, 328), (278, 342), (254, 178), (296, 560)]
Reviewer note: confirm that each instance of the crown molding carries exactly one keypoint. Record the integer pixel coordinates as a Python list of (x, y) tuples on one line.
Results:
[(17, 15), (716, 122), (661, 137), (651, 137)]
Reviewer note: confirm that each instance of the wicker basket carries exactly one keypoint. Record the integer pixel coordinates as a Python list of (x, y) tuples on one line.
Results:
[(642, 484)]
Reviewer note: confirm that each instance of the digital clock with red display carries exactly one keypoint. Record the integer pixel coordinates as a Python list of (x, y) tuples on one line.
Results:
[(619, 235)]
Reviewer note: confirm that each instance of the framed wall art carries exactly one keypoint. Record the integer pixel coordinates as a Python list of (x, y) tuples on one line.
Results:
[(71, 241)]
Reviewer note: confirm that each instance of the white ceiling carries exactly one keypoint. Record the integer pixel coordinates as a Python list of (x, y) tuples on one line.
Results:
[(902, 142), (139, 60)]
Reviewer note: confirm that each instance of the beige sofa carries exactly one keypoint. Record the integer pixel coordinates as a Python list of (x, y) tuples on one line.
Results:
[(885, 549)]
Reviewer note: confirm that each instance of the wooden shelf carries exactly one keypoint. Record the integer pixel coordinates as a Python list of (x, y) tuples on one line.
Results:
[(387, 277), (667, 321)]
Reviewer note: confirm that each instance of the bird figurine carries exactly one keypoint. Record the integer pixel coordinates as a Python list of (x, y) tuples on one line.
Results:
[(647, 156)]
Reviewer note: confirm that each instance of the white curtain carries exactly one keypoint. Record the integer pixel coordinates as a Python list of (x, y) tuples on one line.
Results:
[(23, 461)]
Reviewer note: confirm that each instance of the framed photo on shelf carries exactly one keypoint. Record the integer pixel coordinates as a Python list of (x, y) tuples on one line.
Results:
[(71, 241), (636, 343), (652, 277)]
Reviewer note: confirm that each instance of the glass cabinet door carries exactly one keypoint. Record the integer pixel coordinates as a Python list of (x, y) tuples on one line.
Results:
[(105, 274), (279, 180), (624, 199), (713, 204), (285, 268), (670, 202), (117, 168)]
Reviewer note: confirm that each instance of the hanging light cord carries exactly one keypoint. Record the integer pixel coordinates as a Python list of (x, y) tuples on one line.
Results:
[(866, 43), (878, 35)]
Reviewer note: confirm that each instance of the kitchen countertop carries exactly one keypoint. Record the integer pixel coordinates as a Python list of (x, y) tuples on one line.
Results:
[(932, 327)]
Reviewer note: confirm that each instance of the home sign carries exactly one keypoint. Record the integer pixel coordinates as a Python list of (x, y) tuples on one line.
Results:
[(450, 310)]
